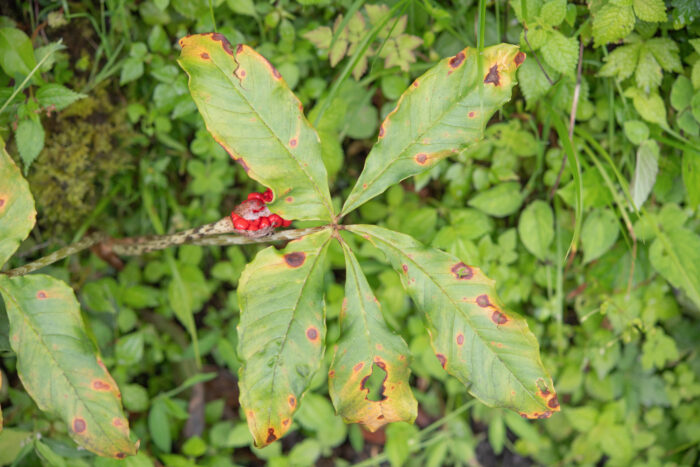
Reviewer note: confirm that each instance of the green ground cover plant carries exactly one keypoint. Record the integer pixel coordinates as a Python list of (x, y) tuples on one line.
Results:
[(576, 190)]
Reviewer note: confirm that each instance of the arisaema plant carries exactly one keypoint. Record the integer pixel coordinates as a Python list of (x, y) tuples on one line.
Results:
[(250, 111)]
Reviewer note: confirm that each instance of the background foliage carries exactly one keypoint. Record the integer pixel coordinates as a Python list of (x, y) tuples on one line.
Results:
[(110, 138)]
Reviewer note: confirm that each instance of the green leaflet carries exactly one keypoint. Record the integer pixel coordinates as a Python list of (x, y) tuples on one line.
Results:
[(59, 366), (251, 112), (17, 213), (490, 350), (440, 114), (366, 345), (281, 333)]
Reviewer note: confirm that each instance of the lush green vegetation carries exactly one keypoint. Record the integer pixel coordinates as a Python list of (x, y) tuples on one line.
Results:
[(589, 225)]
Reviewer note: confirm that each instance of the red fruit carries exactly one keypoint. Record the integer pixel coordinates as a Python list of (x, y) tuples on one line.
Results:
[(275, 220), (286, 223), (254, 225), (257, 196), (238, 222), (267, 196), (264, 222)]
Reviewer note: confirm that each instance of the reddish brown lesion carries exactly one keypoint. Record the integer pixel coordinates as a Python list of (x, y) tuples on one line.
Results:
[(499, 318), (225, 44), (42, 295), (204, 55), (292, 401), (492, 76), (79, 425), (358, 367), (462, 272), (519, 58), (312, 334), (460, 339), (293, 142), (100, 385), (457, 60), (443, 359), (271, 435), (421, 158), (483, 301), (381, 132), (295, 259)]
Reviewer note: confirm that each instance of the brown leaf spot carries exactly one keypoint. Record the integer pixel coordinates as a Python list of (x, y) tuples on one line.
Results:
[(120, 455), (415, 84), (460, 339), (118, 422), (498, 317), (405, 268), (492, 76), (483, 301), (472, 114), (312, 334), (224, 42), (295, 259), (442, 358), (101, 363), (204, 55), (289, 199), (239, 48), (364, 186), (292, 401), (402, 357), (462, 272), (457, 60), (2, 202), (519, 58), (286, 421), (79, 425), (100, 385), (421, 158), (331, 374), (358, 367), (380, 363), (41, 295), (553, 403), (293, 142), (270, 435), (241, 73), (381, 132), (546, 414), (380, 417)]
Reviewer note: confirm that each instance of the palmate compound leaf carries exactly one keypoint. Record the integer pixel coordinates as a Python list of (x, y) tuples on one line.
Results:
[(59, 366), (442, 112), (367, 346), (487, 348), (17, 213), (282, 332), (250, 111)]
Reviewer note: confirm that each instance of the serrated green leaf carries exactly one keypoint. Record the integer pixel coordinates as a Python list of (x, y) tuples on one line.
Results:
[(598, 234), (30, 141), (320, 37), (681, 93), (636, 131), (561, 52), (16, 53), (367, 346), (553, 12), (59, 366), (676, 256), (442, 112), (533, 82), (281, 333), (57, 95), (612, 23), (17, 213), (622, 61), (645, 172), (650, 10), (536, 228), (500, 201), (648, 73), (651, 107), (251, 112), (488, 348), (666, 53)]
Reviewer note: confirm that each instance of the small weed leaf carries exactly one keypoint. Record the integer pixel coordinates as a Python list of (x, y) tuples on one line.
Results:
[(252, 113), (489, 349), (59, 366), (281, 333)]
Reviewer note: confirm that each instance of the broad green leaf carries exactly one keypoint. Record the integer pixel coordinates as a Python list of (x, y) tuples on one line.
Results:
[(442, 112), (650, 10), (636, 131), (30, 141), (281, 333), (681, 93), (651, 107), (251, 112), (645, 172), (366, 347), (500, 201), (57, 95), (690, 168), (488, 348), (561, 52), (612, 23), (16, 52), (536, 228), (648, 74), (553, 12), (17, 213), (598, 234), (59, 366), (676, 256)]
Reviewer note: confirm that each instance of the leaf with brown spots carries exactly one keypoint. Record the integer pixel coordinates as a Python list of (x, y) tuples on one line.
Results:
[(17, 212), (252, 113), (59, 366), (281, 333), (488, 348), (442, 113), (357, 356)]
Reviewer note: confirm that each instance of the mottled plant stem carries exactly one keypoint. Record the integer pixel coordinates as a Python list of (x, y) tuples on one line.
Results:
[(208, 234)]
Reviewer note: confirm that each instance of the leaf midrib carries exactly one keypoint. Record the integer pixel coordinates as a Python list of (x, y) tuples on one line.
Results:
[(467, 317)]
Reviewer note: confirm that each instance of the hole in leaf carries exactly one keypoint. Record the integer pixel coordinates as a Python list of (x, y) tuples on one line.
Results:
[(374, 383)]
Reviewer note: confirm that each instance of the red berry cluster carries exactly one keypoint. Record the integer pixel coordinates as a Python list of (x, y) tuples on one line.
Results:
[(261, 222)]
